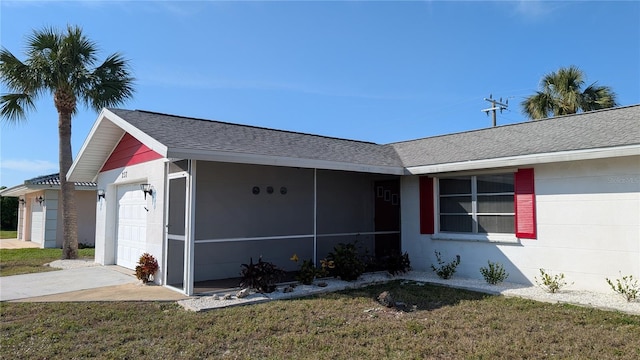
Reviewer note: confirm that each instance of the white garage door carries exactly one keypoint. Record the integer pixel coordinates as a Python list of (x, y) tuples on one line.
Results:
[(37, 222), (132, 225)]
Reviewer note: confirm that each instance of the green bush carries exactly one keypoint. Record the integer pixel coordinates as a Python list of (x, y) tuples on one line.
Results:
[(494, 273), (550, 283), (348, 265), (397, 263), (262, 276), (627, 287), (445, 270)]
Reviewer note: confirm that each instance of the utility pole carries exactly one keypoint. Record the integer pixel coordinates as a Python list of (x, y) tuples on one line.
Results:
[(495, 105)]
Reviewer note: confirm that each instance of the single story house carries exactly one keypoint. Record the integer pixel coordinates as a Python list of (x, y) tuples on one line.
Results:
[(205, 196), (38, 211)]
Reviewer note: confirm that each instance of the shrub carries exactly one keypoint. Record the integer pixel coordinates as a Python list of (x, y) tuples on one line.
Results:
[(348, 265), (445, 270), (261, 276), (308, 271), (397, 263), (146, 268), (550, 283), (627, 287), (494, 273)]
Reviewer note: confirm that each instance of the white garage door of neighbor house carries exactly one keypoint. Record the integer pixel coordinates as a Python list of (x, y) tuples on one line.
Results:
[(37, 222), (131, 226)]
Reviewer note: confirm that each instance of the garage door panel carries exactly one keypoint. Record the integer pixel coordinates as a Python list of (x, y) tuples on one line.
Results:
[(132, 225)]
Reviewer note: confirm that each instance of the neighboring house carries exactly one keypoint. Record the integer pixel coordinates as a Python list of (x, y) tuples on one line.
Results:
[(561, 194), (39, 210)]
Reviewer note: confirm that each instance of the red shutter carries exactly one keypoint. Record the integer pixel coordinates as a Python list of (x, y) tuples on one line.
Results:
[(525, 204), (426, 205)]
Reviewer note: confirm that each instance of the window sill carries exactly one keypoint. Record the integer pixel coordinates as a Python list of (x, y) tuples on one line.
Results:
[(489, 238)]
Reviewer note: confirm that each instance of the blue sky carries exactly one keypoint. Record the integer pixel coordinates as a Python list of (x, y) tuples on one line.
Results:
[(366, 70)]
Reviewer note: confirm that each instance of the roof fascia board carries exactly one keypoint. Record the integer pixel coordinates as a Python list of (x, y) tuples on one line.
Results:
[(544, 158), (281, 161), (14, 191), (85, 144), (107, 115), (147, 140)]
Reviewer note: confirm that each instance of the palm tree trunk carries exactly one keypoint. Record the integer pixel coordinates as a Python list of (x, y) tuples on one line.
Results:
[(69, 214)]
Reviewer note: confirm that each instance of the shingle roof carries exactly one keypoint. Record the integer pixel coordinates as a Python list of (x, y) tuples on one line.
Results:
[(591, 130), (177, 132), (53, 179)]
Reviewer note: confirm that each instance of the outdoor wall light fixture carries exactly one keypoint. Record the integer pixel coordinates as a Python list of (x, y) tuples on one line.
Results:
[(147, 189), (40, 199), (22, 201), (101, 194)]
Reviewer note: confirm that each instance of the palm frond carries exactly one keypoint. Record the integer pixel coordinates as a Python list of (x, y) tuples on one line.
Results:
[(596, 97), (538, 106), (14, 107), (17, 76), (111, 83)]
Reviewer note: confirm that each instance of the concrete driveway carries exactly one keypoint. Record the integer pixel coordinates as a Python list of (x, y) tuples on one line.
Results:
[(61, 281)]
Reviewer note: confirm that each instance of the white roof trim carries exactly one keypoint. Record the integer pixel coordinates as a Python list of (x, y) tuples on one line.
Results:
[(257, 159), (21, 190), (147, 140), (543, 158), (106, 115)]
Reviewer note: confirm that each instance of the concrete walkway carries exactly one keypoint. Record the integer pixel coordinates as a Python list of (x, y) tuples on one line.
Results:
[(95, 283), (17, 244)]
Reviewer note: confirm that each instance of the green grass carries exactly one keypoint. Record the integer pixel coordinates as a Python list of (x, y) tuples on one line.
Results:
[(25, 261), (447, 324), (8, 234)]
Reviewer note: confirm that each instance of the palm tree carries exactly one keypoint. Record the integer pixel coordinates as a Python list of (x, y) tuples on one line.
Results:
[(561, 94), (61, 63)]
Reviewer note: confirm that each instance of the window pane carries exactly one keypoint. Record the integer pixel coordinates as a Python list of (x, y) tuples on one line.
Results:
[(495, 204), (456, 223), (460, 185), (456, 204), (496, 224), (495, 183)]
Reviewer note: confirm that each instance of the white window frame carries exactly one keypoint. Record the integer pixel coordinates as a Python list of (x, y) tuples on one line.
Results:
[(475, 235)]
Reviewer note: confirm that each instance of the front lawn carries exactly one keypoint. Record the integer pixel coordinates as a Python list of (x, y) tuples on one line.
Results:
[(446, 324), (8, 234), (31, 260)]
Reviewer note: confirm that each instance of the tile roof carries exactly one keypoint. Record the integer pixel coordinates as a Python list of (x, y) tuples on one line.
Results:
[(597, 129), (54, 180), (177, 132)]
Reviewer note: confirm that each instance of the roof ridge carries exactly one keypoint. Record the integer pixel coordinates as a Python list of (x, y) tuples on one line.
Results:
[(517, 124), (254, 127)]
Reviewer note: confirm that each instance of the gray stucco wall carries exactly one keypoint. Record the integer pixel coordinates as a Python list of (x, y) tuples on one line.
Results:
[(227, 209)]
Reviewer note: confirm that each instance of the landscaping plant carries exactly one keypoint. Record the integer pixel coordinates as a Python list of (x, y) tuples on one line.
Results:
[(397, 263), (494, 273), (627, 287), (348, 265), (550, 283), (308, 271), (146, 268), (445, 270), (261, 276)]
